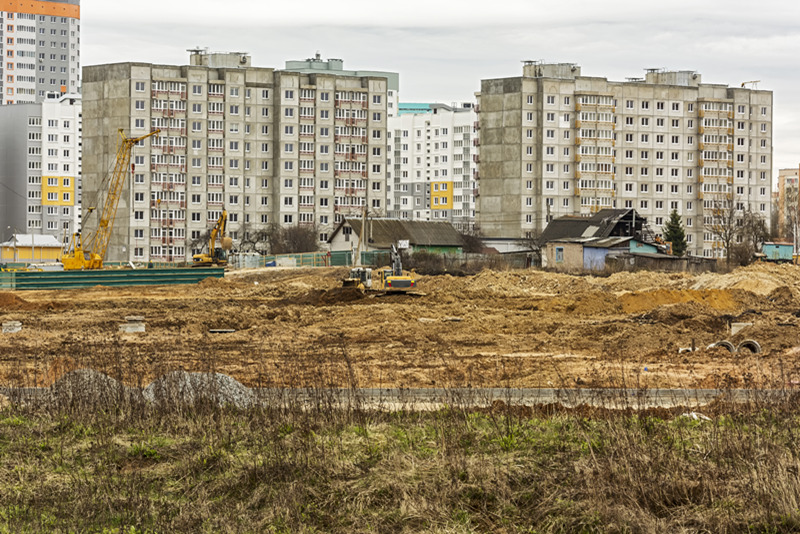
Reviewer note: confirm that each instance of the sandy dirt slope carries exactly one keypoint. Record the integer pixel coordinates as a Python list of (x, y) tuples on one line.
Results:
[(517, 328)]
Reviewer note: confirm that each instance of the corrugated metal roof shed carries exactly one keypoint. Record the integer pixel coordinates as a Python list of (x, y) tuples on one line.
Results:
[(382, 233), (602, 224), (32, 240)]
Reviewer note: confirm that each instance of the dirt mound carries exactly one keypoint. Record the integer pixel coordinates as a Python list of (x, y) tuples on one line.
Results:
[(672, 314), (179, 388), (782, 296), (211, 282), (641, 301), (9, 301), (494, 284), (341, 294), (592, 303), (640, 280), (760, 278), (324, 297)]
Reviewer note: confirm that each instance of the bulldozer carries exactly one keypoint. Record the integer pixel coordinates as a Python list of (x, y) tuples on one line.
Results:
[(217, 255), (386, 280)]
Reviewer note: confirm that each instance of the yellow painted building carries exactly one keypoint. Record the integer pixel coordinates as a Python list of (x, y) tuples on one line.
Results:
[(441, 195), (58, 191), (25, 248)]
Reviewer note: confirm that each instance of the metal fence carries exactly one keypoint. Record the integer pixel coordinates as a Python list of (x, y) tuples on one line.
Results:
[(22, 280)]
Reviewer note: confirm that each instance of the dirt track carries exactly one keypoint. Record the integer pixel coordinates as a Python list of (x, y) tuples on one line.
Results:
[(517, 328)]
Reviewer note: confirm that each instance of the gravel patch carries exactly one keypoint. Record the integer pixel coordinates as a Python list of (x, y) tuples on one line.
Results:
[(180, 388), (88, 389)]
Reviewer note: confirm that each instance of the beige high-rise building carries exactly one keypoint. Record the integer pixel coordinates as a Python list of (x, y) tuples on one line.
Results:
[(300, 146), (554, 142)]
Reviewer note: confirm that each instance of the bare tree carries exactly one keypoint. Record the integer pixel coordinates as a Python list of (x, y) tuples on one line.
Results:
[(740, 231), (473, 244), (254, 239), (530, 243), (201, 242), (291, 239), (788, 226), (723, 225)]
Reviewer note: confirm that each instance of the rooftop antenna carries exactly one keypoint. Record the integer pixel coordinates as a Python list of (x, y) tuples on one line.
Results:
[(752, 83)]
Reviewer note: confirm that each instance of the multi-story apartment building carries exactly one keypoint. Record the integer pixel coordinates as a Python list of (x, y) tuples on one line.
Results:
[(40, 166), (431, 158), (316, 65), (287, 147), (788, 203), (554, 142), (40, 48)]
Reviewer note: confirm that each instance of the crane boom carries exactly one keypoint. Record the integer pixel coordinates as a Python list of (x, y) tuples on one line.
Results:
[(76, 258)]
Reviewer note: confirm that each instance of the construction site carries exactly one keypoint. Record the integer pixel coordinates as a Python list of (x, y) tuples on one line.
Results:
[(300, 328)]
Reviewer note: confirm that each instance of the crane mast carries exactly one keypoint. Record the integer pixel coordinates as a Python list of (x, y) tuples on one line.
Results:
[(77, 258)]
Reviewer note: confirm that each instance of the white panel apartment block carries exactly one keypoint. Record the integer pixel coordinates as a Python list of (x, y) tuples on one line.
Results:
[(40, 47), (40, 166), (433, 154)]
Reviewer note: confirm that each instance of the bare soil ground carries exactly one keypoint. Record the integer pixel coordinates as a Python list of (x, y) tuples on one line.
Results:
[(494, 329)]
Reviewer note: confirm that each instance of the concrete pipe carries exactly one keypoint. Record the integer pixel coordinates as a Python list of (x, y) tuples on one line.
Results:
[(749, 344)]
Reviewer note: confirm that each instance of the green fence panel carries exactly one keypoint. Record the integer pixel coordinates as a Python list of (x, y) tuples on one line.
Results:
[(23, 280), (341, 258), (307, 259)]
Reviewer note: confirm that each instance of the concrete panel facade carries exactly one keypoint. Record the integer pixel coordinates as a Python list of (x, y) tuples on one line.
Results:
[(557, 143), (271, 147)]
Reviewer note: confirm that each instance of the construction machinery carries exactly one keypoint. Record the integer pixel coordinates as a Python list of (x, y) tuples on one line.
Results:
[(384, 280), (218, 244), (76, 256)]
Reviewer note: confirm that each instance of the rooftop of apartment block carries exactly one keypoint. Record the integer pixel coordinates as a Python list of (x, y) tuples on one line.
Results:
[(407, 108)]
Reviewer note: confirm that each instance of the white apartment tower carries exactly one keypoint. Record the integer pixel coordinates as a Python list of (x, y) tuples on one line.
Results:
[(431, 155), (287, 147), (40, 48), (554, 142), (40, 167)]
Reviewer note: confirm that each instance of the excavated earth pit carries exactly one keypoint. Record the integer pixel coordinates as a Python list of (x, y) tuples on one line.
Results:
[(299, 328)]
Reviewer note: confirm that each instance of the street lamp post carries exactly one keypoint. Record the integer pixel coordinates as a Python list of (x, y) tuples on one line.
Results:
[(15, 242)]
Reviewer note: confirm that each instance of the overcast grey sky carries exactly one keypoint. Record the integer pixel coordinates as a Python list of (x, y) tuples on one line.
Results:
[(442, 49)]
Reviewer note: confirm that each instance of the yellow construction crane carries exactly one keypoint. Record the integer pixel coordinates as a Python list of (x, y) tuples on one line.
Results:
[(77, 257)]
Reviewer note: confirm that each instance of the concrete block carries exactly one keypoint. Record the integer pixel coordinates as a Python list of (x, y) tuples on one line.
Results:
[(133, 324), (12, 327), (737, 327)]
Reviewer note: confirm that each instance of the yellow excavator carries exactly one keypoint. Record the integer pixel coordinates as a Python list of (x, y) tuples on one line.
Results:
[(216, 255), (78, 257)]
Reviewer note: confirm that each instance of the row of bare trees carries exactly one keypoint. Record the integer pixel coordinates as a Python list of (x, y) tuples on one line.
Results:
[(271, 239)]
